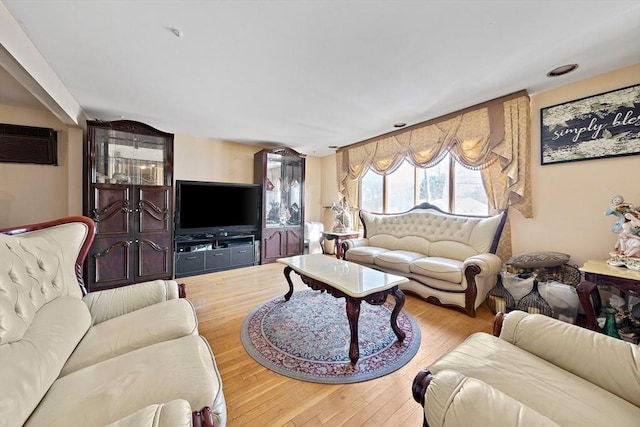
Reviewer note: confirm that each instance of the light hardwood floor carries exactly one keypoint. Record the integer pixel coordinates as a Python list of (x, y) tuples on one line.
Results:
[(257, 396)]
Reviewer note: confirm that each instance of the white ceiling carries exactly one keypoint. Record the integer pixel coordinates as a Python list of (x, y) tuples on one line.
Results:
[(313, 74)]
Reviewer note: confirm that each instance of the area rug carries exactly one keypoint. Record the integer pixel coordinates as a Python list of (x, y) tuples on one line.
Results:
[(307, 338)]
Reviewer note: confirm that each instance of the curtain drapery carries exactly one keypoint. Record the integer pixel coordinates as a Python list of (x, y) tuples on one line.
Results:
[(492, 137)]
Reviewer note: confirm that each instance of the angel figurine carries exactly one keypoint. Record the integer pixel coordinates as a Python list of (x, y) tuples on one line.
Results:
[(619, 208), (627, 227)]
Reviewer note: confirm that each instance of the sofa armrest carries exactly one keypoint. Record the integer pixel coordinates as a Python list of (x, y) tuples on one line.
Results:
[(610, 363), (355, 243), (452, 399), (490, 264), (174, 413), (110, 303)]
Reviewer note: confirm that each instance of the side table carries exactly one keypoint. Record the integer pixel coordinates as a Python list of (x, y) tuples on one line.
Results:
[(598, 272), (339, 238)]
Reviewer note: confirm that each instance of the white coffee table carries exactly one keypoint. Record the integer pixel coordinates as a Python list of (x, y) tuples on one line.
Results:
[(354, 282)]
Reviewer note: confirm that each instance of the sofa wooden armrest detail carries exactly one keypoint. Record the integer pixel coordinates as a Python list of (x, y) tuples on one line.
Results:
[(419, 389), (203, 418), (497, 323), (182, 290), (420, 385), (472, 289)]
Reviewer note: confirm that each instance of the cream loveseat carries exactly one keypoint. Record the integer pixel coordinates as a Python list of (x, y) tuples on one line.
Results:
[(449, 259), (124, 357), (535, 371)]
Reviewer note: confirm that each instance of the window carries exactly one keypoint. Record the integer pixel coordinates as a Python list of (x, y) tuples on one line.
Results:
[(371, 192), (447, 185), (401, 192), (470, 198)]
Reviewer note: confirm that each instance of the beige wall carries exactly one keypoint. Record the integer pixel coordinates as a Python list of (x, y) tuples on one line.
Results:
[(202, 159), (32, 193), (330, 193), (569, 199), (314, 183)]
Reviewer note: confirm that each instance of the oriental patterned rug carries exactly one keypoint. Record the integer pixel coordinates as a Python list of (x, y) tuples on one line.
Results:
[(307, 338)]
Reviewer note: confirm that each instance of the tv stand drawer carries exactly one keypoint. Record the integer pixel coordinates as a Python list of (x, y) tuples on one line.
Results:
[(218, 258), (242, 255), (187, 262)]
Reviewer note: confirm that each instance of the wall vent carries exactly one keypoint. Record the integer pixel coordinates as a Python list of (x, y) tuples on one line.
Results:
[(28, 144)]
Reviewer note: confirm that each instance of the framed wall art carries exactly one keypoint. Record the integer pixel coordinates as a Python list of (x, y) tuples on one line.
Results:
[(603, 125)]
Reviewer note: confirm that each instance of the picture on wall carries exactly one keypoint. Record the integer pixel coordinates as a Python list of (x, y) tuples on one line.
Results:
[(604, 125)]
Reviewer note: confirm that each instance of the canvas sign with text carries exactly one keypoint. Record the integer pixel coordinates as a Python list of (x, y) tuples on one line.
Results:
[(604, 125)]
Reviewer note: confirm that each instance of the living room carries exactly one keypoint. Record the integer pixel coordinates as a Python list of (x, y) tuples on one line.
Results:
[(569, 201)]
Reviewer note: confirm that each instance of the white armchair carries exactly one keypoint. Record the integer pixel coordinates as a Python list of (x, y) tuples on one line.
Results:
[(120, 357)]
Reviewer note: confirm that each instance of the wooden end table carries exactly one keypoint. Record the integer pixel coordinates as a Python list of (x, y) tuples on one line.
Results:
[(339, 238), (598, 272), (354, 282)]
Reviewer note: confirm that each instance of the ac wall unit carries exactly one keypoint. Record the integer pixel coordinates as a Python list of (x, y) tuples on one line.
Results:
[(28, 144)]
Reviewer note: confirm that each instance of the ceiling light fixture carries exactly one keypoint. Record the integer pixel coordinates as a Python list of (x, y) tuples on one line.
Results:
[(399, 125), (562, 70)]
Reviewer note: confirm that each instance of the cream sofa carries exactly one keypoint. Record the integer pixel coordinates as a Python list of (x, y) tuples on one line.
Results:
[(449, 259), (129, 356), (535, 371)]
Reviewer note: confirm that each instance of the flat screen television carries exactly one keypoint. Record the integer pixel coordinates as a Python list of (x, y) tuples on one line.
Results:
[(216, 208)]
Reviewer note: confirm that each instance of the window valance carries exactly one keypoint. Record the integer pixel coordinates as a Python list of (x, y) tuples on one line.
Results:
[(492, 137)]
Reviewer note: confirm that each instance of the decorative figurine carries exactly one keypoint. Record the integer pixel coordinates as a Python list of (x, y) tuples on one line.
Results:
[(294, 210), (627, 248), (619, 208), (341, 217), (285, 215), (628, 243)]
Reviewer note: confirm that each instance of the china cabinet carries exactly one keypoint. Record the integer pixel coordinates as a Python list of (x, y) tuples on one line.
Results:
[(128, 175), (281, 173)]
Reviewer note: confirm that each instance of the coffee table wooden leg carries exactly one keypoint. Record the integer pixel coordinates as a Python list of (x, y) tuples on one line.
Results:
[(398, 295), (353, 314), (287, 275)]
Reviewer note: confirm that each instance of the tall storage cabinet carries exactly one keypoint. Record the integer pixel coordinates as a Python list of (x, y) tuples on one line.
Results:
[(281, 173), (128, 176)]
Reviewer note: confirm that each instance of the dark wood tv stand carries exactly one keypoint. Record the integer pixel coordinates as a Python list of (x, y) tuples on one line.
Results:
[(206, 253)]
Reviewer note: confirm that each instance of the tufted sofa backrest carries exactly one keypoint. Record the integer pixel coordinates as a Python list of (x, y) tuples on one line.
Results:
[(37, 267), (433, 232)]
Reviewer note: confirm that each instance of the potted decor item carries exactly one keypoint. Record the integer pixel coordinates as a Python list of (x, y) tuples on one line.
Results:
[(610, 325)]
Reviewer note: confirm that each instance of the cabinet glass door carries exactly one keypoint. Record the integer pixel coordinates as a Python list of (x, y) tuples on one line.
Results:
[(292, 194), (283, 190), (127, 158)]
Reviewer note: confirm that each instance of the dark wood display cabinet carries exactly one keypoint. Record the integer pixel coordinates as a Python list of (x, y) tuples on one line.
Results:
[(281, 173), (128, 176)]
